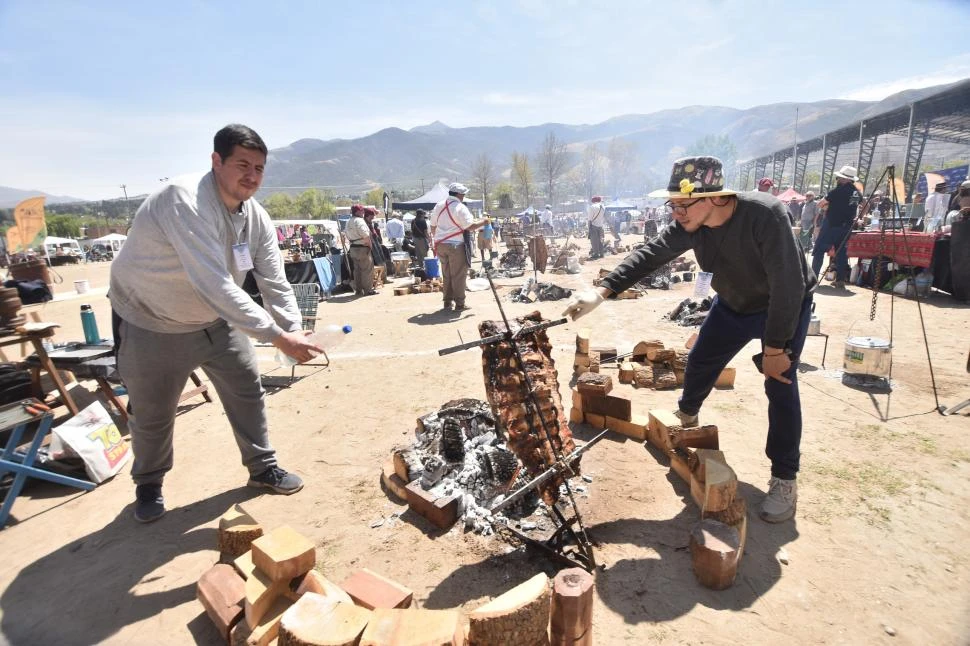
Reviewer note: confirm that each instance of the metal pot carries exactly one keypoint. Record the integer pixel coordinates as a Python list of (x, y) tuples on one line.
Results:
[(866, 355)]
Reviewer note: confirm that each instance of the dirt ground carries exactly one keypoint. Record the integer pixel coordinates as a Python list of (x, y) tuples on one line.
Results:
[(876, 554)]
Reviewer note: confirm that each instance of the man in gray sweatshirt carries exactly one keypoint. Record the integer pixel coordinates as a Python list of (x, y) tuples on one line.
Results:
[(178, 305), (748, 253)]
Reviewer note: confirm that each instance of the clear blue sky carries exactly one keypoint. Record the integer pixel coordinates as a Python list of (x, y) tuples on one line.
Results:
[(96, 94)]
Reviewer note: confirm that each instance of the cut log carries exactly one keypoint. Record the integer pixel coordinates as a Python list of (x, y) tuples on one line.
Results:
[(697, 462), (577, 399), (582, 341), (268, 628), (698, 437), (714, 551), (607, 353), (316, 583), (642, 349), (244, 565), (733, 515), (520, 616), (594, 384), (575, 415), (720, 486), (261, 593), (660, 421), (642, 376), (393, 481), (413, 627), (371, 590), (237, 531), (661, 354), (726, 378), (284, 554), (663, 377), (594, 362), (626, 373), (222, 593), (572, 608), (679, 459), (581, 360), (315, 620), (636, 428)]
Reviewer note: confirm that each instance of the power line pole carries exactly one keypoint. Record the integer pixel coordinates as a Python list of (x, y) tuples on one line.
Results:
[(124, 187)]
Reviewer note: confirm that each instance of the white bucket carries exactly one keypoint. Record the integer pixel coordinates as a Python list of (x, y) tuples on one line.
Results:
[(82, 286), (867, 355)]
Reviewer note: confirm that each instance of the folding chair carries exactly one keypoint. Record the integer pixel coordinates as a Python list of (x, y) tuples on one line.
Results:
[(15, 418), (308, 300)]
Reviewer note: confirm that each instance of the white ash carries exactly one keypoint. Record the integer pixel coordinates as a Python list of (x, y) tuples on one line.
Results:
[(482, 475)]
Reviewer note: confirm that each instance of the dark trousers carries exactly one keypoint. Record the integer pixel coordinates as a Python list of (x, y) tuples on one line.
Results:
[(721, 337), (828, 237)]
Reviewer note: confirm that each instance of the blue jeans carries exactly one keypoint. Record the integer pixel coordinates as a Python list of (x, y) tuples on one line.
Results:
[(829, 237), (721, 337)]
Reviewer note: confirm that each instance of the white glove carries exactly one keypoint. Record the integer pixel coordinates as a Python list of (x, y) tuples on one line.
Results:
[(583, 303)]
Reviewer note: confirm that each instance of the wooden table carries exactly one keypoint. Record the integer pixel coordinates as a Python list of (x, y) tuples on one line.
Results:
[(35, 335)]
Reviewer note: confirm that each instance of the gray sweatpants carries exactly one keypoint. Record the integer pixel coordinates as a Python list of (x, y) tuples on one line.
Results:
[(155, 368)]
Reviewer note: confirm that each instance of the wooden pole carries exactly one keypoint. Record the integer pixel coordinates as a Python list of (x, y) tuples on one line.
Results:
[(572, 608)]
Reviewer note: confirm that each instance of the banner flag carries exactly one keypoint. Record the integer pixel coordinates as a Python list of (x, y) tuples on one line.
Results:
[(30, 224)]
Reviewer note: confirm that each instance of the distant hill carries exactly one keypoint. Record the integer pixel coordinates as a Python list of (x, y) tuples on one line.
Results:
[(10, 197), (404, 158)]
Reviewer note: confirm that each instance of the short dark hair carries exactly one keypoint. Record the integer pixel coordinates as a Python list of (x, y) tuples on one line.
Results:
[(236, 134)]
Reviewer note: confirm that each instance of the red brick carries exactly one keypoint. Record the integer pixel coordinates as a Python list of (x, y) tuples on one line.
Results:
[(441, 511), (222, 593), (608, 406), (371, 590)]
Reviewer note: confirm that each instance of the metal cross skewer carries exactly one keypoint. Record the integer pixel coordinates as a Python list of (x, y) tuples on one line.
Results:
[(561, 464)]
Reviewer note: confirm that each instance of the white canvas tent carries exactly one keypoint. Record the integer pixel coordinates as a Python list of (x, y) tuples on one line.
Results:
[(113, 241)]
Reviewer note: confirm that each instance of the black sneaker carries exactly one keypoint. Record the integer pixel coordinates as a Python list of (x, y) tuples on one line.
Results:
[(149, 503), (278, 480)]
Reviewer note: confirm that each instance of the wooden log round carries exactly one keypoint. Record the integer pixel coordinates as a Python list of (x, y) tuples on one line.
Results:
[(572, 608), (715, 549)]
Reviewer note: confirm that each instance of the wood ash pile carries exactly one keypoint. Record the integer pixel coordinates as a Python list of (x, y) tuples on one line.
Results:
[(690, 312)]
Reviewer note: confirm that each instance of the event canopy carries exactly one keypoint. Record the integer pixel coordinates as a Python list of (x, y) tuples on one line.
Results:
[(111, 237), (791, 195), (619, 205), (427, 201)]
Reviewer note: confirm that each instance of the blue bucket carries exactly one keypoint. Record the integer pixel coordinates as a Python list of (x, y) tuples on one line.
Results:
[(431, 268)]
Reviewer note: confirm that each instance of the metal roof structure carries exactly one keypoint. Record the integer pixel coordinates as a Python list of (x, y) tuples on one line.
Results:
[(943, 117)]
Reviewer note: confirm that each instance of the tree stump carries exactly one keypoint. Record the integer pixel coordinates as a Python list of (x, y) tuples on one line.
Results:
[(520, 616), (318, 621), (572, 608), (715, 549)]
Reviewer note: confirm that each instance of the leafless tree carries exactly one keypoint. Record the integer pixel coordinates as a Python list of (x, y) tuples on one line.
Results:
[(483, 174), (622, 161), (590, 170), (522, 180), (552, 158)]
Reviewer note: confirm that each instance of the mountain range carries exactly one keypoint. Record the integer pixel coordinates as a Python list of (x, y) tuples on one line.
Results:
[(403, 158), (10, 197)]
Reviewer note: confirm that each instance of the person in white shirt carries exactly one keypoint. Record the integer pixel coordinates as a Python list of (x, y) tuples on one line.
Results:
[(395, 231), (546, 220), (451, 227), (596, 214), (359, 238), (936, 207)]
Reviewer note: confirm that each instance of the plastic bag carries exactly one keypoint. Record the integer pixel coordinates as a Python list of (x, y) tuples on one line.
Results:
[(93, 436)]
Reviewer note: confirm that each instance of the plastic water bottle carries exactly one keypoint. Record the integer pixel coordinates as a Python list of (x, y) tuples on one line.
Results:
[(90, 325), (325, 337)]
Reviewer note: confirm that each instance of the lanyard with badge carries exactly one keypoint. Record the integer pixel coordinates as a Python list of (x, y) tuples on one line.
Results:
[(702, 285), (241, 257)]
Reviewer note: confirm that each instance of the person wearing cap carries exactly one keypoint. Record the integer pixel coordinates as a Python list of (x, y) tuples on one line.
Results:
[(764, 291), (809, 211), (419, 233), (596, 215), (359, 237), (840, 206), (936, 208), (765, 184), (451, 227)]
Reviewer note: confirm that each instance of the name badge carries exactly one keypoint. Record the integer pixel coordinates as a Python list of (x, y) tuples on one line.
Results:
[(702, 286), (241, 257)]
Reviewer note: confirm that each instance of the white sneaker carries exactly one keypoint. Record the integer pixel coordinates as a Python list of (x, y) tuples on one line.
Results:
[(687, 421), (779, 505)]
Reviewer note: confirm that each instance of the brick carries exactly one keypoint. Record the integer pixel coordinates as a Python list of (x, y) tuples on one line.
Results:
[(441, 511), (581, 360), (576, 415), (593, 384), (413, 627), (679, 461), (268, 628), (636, 428), (244, 565), (626, 372), (317, 620), (371, 590), (658, 431), (607, 405), (284, 554), (594, 420), (582, 341), (577, 399), (222, 593), (392, 481)]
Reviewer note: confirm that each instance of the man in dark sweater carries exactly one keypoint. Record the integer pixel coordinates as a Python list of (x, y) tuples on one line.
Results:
[(745, 246)]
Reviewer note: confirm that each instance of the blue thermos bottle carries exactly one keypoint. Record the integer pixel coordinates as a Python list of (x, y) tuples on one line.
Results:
[(90, 325)]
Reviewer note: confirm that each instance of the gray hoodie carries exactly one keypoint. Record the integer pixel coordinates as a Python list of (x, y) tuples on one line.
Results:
[(176, 272)]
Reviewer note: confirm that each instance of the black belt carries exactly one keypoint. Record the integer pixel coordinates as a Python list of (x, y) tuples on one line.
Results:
[(358, 245)]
